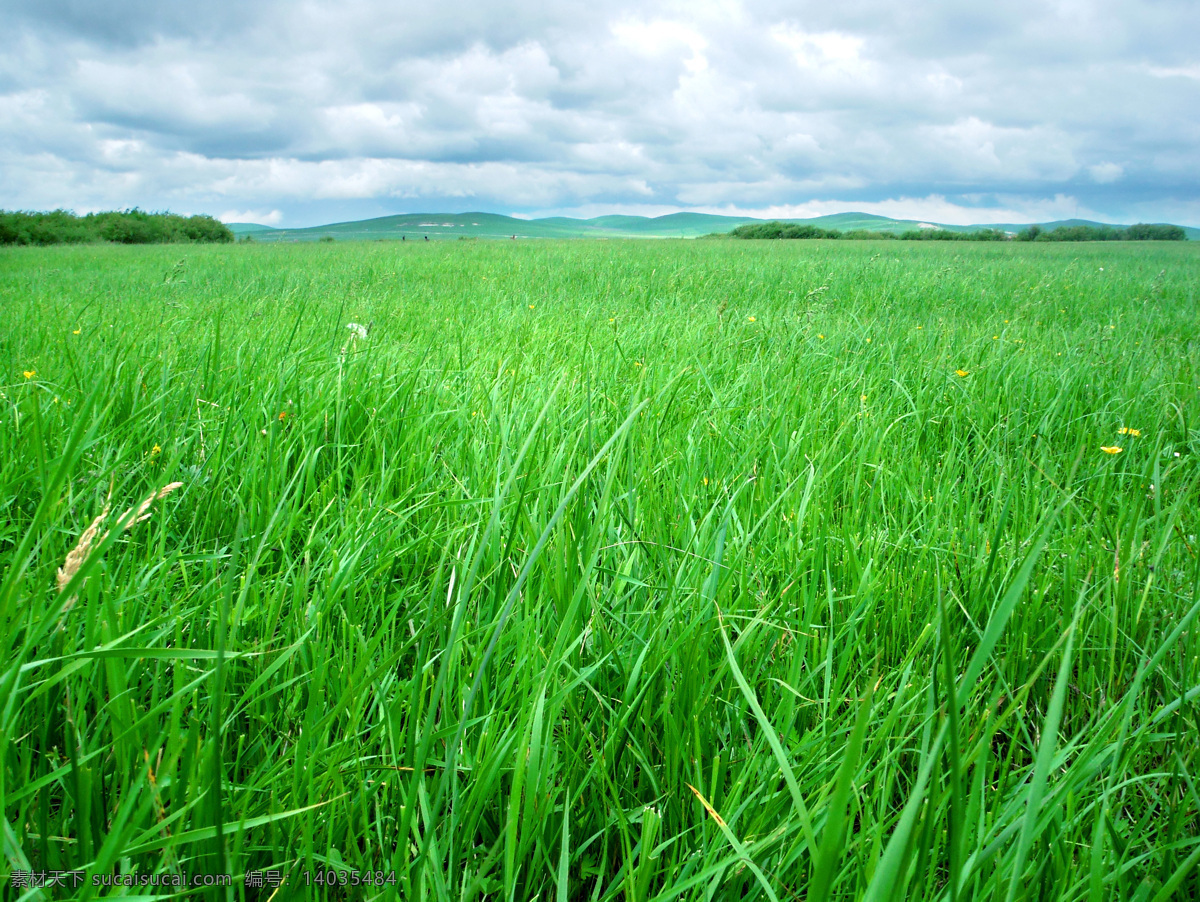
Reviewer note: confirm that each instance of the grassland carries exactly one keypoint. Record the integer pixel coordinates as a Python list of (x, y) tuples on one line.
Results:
[(599, 571)]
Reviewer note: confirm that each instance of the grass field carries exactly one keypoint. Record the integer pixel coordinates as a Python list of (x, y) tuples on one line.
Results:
[(605, 571)]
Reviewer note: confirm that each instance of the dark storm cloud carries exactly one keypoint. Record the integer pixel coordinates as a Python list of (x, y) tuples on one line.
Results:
[(935, 110)]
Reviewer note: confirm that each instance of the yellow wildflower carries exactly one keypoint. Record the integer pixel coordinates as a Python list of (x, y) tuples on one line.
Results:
[(77, 331), (1125, 430), (862, 397), (156, 450), (282, 415), (961, 373), (819, 335), (1111, 449), (750, 319), (531, 306), (29, 374)]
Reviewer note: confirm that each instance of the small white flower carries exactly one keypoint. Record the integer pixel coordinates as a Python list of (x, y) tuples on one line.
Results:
[(359, 331)]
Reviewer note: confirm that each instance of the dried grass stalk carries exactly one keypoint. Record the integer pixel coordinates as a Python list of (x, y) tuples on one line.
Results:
[(142, 511), (77, 555), (87, 541)]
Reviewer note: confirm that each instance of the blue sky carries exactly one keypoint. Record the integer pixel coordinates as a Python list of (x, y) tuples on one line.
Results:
[(301, 113)]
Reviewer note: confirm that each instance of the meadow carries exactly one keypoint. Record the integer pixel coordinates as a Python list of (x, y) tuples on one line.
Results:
[(603, 570)]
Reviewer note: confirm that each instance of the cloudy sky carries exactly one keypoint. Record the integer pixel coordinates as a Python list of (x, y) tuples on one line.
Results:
[(300, 113)]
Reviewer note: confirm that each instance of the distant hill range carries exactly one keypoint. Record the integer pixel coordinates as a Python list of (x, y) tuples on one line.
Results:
[(442, 226)]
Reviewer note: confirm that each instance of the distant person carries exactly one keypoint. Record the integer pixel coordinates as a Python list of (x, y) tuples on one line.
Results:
[(426, 237), (401, 237)]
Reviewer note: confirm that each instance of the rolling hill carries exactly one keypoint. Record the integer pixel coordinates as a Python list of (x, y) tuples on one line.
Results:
[(443, 226)]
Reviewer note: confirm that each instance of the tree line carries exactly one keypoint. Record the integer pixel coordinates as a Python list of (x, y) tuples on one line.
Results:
[(117, 226), (1140, 232)]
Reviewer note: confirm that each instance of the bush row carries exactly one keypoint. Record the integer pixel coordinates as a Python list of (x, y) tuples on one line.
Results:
[(122, 227), (1139, 232)]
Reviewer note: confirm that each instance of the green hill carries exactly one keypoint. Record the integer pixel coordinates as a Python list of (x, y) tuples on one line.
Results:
[(248, 228), (440, 226), (443, 226)]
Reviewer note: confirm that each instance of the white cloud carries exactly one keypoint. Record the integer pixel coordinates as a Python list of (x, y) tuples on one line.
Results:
[(829, 54), (1106, 173), (933, 207), (1192, 71), (971, 148), (660, 37), (261, 217), (941, 109)]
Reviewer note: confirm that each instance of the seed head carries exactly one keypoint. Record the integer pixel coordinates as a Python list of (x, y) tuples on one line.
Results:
[(78, 555)]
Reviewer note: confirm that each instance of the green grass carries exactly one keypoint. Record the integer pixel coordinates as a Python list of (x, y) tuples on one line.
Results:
[(607, 571)]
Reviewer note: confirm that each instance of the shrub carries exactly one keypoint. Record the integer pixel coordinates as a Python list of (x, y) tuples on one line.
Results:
[(868, 235), (783, 230), (1140, 232), (1157, 232), (122, 227), (796, 230)]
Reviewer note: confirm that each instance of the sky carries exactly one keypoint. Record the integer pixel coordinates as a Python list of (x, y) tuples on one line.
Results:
[(307, 112)]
